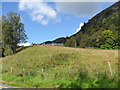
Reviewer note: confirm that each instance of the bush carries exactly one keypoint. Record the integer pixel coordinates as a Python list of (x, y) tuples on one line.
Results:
[(106, 46), (8, 52), (99, 80)]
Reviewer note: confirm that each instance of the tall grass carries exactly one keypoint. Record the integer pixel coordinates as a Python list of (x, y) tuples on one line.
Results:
[(61, 67)]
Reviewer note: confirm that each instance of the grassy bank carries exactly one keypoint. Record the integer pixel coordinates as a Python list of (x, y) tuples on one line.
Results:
[(61, 67)]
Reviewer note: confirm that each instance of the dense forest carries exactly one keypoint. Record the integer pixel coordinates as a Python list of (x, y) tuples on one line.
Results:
[(101, 31)]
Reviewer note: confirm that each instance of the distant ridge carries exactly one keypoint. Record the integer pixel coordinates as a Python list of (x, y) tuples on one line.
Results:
[(58, 40)]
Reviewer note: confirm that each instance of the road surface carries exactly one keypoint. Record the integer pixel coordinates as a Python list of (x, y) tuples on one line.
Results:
[(6, 86)]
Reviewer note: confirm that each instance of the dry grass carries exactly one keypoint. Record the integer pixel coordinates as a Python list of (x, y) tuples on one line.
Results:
[(51, 63)]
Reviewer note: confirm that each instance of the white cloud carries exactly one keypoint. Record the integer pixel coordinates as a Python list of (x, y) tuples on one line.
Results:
[(24, 44), (80, 9), (39, 11), (78, 29), (44, 13), (64, 0)]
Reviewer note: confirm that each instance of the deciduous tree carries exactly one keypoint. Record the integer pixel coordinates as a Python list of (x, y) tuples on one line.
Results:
[(12, 31)]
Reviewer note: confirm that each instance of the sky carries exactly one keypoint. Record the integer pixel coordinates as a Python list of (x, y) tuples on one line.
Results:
[(45, 21)]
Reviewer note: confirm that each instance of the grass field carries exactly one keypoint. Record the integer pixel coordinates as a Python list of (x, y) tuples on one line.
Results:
[(61, 67)]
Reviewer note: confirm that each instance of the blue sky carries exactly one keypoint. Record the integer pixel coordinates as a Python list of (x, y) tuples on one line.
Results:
[(48, 21)]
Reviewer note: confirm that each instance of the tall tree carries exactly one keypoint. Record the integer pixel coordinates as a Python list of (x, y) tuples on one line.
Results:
[(12, 31), (107, 40)]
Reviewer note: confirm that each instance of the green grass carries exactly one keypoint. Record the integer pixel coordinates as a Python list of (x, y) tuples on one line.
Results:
[(61, 67), (8, 51)]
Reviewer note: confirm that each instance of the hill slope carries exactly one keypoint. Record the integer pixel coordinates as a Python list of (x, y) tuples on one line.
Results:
[(90, 34), (61, 67), (58, 40)]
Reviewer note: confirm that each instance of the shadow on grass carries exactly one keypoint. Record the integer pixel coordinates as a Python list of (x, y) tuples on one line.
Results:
[(22, 48)]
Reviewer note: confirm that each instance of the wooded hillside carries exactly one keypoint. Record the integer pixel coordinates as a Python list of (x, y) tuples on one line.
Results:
[(101, 31)]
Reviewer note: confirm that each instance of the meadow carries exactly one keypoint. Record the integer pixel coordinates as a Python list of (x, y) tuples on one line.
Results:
[(61, 67)]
